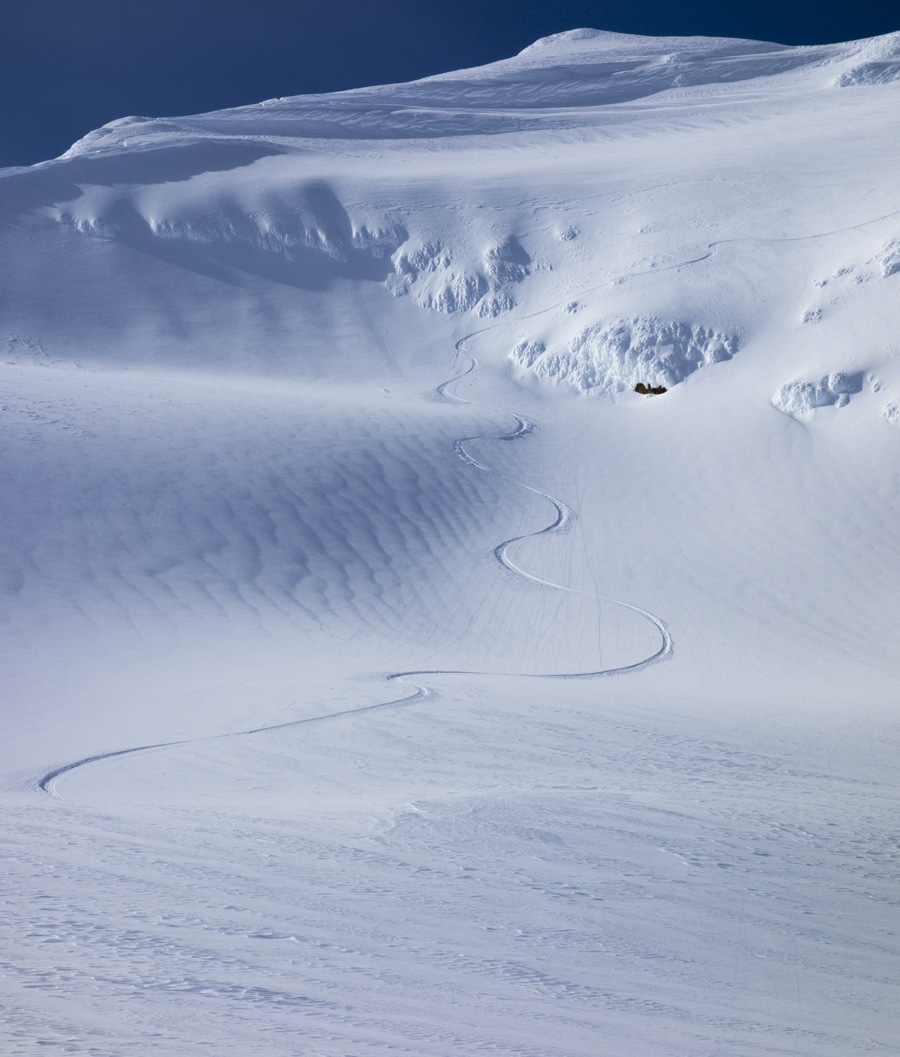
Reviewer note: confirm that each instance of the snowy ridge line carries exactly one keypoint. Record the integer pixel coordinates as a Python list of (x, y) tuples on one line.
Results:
[(564, 517)]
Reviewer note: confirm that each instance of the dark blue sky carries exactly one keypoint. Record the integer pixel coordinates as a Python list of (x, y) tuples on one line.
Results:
[(67, 66)]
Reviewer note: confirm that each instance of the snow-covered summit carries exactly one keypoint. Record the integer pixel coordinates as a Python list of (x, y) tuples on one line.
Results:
[(582, 68)]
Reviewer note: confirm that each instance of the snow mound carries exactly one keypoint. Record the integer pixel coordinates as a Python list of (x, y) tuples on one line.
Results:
[(615, 356), (439, 281), (799, 399)]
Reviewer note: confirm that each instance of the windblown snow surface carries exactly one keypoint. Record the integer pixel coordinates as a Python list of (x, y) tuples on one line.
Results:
[(381, 673)]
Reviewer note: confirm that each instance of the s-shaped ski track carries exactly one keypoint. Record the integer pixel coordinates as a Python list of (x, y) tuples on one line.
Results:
[(563, 517)]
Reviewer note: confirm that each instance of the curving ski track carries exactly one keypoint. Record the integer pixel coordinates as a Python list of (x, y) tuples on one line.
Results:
[(564, 516)]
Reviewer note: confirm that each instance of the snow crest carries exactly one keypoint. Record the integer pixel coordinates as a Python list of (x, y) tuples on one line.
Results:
[(614, 356), (306, 242), (880, 63)]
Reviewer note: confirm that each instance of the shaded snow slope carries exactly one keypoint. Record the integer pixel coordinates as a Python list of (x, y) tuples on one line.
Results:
[(403, 680)]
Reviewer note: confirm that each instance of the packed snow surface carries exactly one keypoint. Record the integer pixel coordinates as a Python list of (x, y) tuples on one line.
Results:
[(382, 672)]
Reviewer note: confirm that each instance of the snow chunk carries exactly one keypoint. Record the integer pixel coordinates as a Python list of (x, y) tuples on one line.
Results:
[(507, 263), (615, 356), (440, 283), (889, 258), (842, 384), (799, 399), (527, 352), (26, 350), (460, 293)]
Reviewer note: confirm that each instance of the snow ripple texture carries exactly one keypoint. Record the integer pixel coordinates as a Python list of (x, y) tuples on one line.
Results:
[(563, 516)]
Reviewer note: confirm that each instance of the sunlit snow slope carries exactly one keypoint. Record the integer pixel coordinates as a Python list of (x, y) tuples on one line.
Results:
[(382, 673)]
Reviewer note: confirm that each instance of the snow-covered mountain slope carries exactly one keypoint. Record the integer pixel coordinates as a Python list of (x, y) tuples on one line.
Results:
[(402, 679)]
